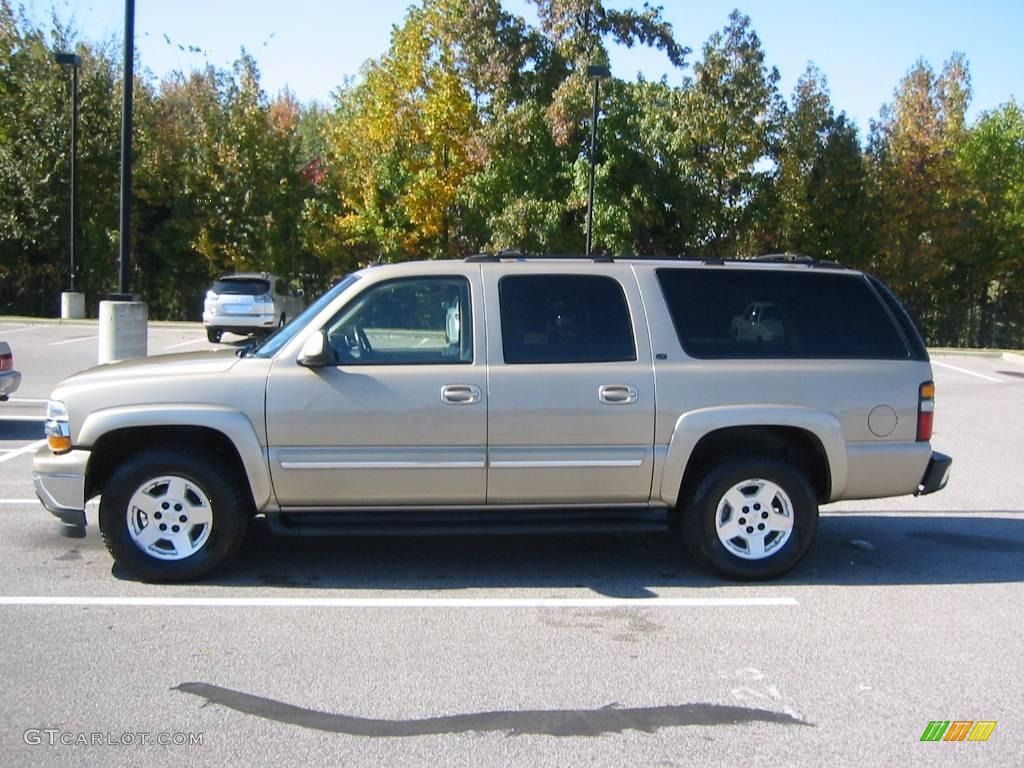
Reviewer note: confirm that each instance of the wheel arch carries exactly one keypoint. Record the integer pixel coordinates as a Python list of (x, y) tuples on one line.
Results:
[(115, 434), (810, 439)]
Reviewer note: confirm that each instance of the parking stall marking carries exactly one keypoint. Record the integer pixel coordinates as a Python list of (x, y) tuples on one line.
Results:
[(969, 373), (186, 343), (8, 455), (397, 602), (72, 341)]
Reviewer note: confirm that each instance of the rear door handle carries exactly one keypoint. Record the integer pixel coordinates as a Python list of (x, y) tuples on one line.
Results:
[(460, 394), (617, 394)]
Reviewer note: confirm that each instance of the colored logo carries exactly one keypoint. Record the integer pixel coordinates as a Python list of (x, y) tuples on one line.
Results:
[(958, 730)]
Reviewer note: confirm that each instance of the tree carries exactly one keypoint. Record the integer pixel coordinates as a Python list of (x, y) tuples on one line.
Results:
[(914, 179), (728, 125)]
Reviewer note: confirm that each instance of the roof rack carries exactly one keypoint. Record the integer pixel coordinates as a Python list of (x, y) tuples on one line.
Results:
[(606, 258), (797, 258)]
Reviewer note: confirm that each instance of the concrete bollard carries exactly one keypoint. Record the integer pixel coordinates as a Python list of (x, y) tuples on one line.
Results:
[(123, 331), (72, 306)]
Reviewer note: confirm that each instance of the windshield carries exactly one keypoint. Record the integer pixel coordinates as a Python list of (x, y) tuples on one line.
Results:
[(242, 287), (270, 347)]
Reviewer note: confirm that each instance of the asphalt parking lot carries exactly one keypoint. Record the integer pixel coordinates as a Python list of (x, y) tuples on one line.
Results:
[(561, 650)]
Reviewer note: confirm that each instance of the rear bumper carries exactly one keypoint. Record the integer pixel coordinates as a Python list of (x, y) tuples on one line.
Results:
[(247, 322), (936, 475)]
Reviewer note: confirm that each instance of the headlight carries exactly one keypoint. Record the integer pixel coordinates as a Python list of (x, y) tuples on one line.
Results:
[(58, 430)]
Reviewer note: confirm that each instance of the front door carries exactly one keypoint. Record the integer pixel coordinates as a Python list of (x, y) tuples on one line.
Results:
[(402, 419)]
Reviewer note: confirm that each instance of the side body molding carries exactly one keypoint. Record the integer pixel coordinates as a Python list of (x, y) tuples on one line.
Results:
[(692, 426), (233, 424)]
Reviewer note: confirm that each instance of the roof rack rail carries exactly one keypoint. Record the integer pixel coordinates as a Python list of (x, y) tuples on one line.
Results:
[(798, 258), (600, 258)]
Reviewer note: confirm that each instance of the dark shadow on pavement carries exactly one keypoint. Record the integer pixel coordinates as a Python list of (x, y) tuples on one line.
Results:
[(851, 549)]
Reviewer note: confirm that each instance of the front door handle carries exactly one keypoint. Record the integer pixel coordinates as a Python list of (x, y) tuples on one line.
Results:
[(460, 394), (617, 394)]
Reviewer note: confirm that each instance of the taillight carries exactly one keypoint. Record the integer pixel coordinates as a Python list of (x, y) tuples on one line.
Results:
[(925, 411), (6, 362)]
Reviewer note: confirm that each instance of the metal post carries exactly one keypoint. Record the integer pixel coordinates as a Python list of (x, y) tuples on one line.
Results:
[(596, 72), (124, 262), (590, 197), (74, 169), (74, 61)]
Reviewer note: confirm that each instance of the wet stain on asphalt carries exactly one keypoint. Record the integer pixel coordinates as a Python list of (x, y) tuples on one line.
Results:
[(551, 722), (969, 541), (71, 554)]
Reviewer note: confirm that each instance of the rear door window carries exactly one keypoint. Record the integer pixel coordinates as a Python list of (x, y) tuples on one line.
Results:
[(564, 319), (736, 313)]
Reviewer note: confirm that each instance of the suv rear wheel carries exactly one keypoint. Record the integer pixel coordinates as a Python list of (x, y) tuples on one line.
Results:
[(751, 517), (172, 515), (213, 335)]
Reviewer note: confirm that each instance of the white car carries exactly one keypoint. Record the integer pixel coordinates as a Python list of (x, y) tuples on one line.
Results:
[(10, 379), (249, 303), (760, 321)]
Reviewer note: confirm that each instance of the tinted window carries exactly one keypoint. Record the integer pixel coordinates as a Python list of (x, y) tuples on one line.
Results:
[(564, 319), (243, 287), (733, 313), (406, 322)]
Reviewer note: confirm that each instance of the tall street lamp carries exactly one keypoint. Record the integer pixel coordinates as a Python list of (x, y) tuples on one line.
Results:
[(74, 62), (597, 72)]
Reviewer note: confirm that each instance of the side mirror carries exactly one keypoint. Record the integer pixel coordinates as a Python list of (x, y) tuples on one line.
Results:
[(316, 352)]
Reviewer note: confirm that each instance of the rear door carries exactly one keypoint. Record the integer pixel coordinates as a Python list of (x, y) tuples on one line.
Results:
[(570, 385)]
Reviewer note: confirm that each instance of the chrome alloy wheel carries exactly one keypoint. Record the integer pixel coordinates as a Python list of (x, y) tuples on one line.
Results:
[(169, 518), (754, 519)]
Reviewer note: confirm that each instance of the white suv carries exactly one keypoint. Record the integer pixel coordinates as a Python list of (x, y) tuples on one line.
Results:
[(249, 303)]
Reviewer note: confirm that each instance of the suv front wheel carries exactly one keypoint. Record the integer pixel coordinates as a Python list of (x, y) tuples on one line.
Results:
[(751, 518), (172, 515)]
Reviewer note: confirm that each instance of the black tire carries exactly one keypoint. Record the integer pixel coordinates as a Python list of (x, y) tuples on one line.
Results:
[(213, 335), (228, 508), (700, 511)]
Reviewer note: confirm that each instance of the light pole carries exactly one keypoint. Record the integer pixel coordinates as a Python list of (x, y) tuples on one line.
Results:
[(124, 262), (597, 72), (74, 62), (123, 317)]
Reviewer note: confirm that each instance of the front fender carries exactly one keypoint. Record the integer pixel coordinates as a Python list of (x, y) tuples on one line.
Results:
[(233, 424), (692, 426)]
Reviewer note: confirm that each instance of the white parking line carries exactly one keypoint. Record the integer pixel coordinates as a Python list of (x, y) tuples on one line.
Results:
[(22, 417), (72, 341), (28, 400), (186, 343), (19, 451), (19, 501), (969, 373), (20, 328), (399, 602)]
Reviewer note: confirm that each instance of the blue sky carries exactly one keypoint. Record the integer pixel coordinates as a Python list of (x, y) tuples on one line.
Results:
[(864, 48)]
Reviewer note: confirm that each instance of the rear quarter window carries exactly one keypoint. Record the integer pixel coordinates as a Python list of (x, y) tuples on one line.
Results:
[(736, 313)]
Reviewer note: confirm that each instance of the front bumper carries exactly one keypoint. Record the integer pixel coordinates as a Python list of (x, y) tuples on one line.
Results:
[(936, 475), (59, 481)]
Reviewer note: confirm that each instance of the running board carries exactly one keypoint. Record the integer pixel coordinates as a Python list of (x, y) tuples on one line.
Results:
[(532, 521)]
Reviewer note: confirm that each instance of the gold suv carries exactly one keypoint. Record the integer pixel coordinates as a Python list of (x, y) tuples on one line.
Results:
[(509, 394)]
